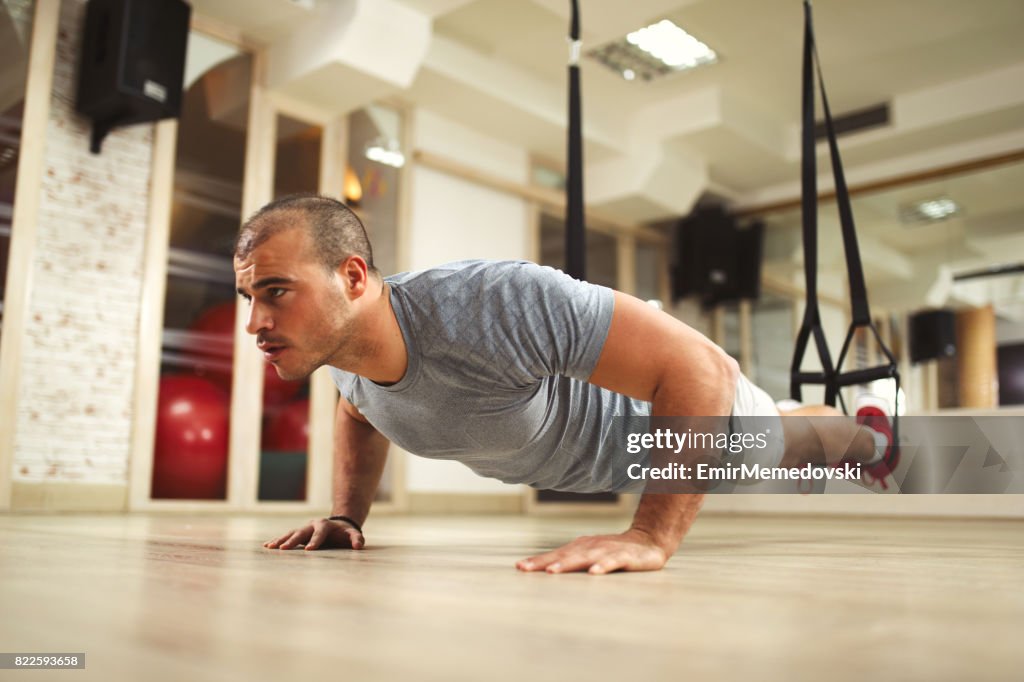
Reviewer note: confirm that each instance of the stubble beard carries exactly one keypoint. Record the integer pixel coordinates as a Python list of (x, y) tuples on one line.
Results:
[(341, 346)]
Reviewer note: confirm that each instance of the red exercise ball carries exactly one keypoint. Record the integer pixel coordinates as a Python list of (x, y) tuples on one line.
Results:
[(211, 343), (288, 429), (277, 391), (217, 324), (191, 454)]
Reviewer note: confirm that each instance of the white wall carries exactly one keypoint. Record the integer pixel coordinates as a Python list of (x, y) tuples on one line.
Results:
[(773, 336), (1009, 332), (453, 219), (75, 393), (834, 322)]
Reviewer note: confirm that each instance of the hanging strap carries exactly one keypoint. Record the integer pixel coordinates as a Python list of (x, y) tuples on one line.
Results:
[(575, 232), (832, 378), (811, 325)]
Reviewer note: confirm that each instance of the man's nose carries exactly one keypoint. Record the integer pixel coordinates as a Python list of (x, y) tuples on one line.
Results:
[(258, 319)]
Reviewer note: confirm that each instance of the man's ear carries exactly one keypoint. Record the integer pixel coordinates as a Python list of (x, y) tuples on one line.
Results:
[(354, 275)]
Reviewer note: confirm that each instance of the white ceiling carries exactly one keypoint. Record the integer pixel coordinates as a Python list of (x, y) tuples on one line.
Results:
[(952, 72), (873, 51), (739, 116)]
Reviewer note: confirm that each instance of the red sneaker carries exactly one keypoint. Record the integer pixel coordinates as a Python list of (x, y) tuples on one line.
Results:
[(873, 412)]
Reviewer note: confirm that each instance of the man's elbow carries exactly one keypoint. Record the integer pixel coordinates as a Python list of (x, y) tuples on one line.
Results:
[(710, 371), (730, 370), (722, 374)]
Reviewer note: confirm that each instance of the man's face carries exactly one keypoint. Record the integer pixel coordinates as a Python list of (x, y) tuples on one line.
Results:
[(302, 315)]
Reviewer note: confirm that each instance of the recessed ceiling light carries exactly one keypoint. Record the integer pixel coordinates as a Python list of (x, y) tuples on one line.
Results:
[(672, 45), (656, 50), (930, 210), (385, 151)]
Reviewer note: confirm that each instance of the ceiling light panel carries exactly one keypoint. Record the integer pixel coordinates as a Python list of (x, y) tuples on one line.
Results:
[(654, 51), (930, 210)]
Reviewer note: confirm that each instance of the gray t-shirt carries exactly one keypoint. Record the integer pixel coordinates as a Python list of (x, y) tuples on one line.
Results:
[(499, 357)]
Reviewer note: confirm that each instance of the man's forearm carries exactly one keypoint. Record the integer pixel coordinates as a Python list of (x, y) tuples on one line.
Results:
[(360, 453)]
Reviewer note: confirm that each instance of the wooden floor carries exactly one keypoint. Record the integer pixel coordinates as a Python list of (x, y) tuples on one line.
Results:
[(747, 598)]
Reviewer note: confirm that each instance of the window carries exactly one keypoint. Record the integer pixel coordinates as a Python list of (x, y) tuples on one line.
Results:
[(191, 448)]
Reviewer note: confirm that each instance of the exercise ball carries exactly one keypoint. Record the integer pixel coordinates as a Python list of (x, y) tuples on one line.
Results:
[(211, 343), (288, 429), (277, 391), (191, 452)]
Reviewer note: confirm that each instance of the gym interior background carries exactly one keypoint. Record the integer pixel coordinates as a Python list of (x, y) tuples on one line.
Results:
[(442, 122)]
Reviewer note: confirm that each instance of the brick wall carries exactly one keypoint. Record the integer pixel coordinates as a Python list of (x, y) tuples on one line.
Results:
[(75, 395)]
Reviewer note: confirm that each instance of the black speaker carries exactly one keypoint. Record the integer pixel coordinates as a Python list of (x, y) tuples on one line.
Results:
[(749, 256), (932, 335), (715, 260), (1010, 359), (133, 63)]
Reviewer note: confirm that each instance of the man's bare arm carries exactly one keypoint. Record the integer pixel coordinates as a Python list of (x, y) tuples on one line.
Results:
[(650, 356), (360, 453)]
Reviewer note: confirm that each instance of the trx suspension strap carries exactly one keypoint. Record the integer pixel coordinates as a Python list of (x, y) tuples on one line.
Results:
[(809, 210), (831, 377), (575, 234)]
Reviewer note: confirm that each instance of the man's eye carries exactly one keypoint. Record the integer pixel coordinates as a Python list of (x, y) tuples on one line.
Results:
[(276, 292)]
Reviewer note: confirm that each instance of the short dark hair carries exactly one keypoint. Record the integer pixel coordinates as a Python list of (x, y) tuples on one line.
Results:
[(336, 230)]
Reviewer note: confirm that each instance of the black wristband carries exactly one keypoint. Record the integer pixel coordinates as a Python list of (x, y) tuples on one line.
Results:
[(347, 520)]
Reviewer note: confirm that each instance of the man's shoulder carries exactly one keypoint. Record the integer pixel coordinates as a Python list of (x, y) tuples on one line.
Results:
[(470, 284), (481, 286), (468, 270), (342, 379)]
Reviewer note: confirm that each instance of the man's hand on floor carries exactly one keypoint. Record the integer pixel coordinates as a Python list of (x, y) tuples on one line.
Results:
[(319, 534), (633, 550)]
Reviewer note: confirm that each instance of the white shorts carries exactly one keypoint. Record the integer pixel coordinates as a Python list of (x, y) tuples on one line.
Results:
[(754, 411)]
